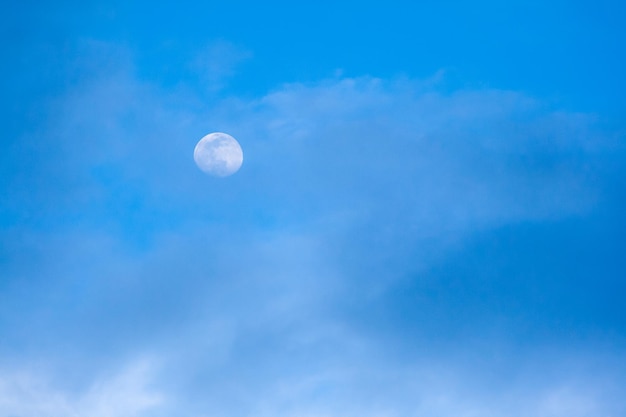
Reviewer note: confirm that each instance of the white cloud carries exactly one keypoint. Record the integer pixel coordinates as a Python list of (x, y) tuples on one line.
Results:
[(341, 150), (246, 285), (128, 393)]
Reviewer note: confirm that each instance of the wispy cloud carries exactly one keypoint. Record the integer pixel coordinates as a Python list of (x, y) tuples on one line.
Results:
[(311, 283), (218, 62), (127, 393)]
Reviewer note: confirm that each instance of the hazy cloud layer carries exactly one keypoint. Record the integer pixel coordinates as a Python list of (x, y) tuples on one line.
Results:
[(344, 271), (28, 393)]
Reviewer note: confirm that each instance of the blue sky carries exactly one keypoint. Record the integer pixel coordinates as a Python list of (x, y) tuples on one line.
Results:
[(428, 221)]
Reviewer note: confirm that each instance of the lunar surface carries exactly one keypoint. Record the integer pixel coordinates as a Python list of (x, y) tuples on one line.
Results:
[(218, 154)]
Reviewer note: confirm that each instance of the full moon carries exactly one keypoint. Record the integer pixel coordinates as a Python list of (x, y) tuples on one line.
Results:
[(218, 154)]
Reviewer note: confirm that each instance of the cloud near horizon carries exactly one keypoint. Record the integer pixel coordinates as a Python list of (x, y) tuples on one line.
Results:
[(387, 249)]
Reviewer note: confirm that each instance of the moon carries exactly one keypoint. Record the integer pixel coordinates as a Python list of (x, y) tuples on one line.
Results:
[(218, 154)]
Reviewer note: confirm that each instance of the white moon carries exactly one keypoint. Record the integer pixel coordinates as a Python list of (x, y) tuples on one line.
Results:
[(218, 154)]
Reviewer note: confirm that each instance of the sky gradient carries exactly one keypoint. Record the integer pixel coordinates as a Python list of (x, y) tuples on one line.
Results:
[(429, 220)]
